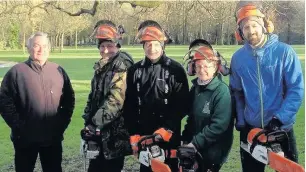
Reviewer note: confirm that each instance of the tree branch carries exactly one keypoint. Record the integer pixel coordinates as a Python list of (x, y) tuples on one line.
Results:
[(91, 11), (209, 12)]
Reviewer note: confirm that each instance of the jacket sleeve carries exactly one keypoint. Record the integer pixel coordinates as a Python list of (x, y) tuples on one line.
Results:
[(87, 109), (219, 122), (113, 103), (67, 102), (179, 107), (8, 101), (188, 129), (293, 89), (130, 109), (238, 96)]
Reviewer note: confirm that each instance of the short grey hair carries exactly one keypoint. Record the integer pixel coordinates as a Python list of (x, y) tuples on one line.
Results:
[(30, 39)]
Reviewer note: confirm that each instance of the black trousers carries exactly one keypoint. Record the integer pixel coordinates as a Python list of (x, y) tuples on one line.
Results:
[(171, 162), (50, 157), (211, 167), (249, 164), (100, 164)]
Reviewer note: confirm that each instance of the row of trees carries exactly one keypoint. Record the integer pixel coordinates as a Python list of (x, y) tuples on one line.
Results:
[(71, 22)]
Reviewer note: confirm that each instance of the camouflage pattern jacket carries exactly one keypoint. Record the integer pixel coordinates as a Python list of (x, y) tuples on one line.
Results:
[(104, 105)]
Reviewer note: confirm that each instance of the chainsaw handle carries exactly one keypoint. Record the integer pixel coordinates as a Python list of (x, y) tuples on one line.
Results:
[(144, 138), (268, 134)]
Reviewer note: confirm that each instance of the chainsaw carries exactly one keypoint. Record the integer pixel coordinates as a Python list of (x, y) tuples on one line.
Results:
[(265, 147), (152, 155)]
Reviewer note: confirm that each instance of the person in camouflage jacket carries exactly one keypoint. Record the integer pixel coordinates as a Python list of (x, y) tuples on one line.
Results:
[(105, 100)]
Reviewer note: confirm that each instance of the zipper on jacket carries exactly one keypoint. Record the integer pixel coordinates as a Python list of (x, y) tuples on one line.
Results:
[(260, 88), (45, 94)]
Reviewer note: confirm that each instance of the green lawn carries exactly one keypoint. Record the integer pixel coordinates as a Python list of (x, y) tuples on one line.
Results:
[(78, 64)]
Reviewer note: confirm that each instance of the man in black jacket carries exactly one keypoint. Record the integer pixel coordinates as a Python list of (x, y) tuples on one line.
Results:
[(157, 87), (37, 103)]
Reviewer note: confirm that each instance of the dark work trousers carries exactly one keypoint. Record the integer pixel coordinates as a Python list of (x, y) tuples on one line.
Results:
[(100, 164), (50, 157), (249, 164), (211, 167), (171, 162)]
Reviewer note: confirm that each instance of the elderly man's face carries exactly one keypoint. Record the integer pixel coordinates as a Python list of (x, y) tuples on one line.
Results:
[(252, 31), (40, 49)]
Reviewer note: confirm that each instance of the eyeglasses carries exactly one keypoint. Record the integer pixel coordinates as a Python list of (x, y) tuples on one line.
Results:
[(200, 66)]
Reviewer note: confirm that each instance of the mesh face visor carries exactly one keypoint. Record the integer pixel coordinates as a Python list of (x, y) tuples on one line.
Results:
[(200, 53), (150, 33)]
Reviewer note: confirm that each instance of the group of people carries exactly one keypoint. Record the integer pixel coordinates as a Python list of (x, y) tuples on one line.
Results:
[(128, 100)]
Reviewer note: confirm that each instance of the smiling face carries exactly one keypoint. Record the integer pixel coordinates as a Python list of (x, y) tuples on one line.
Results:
[(252, 31), (205, 69), (153, 50), (108, 49)]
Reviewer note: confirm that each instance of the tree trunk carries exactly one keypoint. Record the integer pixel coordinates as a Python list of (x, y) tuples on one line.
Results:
[(76, 40), (24, 43), (52, 43), (221, 34), (228, 38), (288, 32), (62, 43), (184, 24), (56, 41)]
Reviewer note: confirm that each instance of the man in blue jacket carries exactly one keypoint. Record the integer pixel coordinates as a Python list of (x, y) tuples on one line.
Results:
[(266, 81)]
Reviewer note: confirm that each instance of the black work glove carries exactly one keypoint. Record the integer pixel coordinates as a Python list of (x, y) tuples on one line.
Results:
[(89, 133), (186, 156), (240, 127), (274, 124), (158, 138), (244, 134)]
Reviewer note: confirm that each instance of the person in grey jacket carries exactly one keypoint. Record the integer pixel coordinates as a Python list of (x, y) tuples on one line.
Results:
[(37, 102)]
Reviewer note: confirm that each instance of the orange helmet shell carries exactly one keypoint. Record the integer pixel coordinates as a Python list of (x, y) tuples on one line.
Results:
[(204, 53), (247, 11), (151, 33), (106, 32)]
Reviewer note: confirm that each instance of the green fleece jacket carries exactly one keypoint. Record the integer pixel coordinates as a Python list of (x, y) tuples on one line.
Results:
[(210, 123)]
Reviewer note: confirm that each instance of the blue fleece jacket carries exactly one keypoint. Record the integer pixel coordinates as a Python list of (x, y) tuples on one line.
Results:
[(266, 82)]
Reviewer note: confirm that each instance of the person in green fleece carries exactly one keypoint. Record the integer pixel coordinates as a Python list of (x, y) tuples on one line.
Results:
[(209, 127)]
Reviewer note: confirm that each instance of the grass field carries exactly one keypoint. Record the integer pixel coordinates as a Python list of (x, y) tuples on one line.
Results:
[(78, 64)]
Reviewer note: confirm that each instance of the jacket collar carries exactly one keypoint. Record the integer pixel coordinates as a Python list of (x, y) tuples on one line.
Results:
[(99, 64), (211, 86), (163, 60), (272, 39), (34, 65)]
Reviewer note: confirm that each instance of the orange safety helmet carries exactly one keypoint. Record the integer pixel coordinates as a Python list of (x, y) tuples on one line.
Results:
[(204, 53), (150, 30), (247, 10), (200, 49), (151, 33), (106, 32), (201, 52)]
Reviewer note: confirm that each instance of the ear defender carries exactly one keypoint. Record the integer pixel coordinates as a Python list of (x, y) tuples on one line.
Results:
[(268, 25), (191, 68), (238, 35)]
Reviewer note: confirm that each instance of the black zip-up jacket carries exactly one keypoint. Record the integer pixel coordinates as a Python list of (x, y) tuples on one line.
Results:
[(154, 89), (37, 102)]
